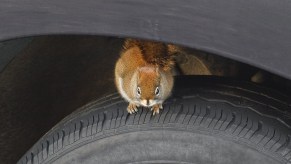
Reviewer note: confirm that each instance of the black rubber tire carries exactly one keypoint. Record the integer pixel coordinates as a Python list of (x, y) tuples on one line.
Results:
[(207, 120)]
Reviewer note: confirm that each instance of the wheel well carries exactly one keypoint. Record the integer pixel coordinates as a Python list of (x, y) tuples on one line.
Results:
[(54, 75)]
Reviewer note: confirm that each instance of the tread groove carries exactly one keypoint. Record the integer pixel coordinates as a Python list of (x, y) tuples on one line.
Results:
[(231, 121), (164, 114), (195, 116), (189, 114), (101, 121), (257, 131), (218, 119), (204, 117), (142, 116), (175, 113), (63, 137), (276, 139), (202, 114), (212, 118), (244, 127), (237, 122), (183, 114), (32, 158), (270, 139), (263, 135), (227, 121), (81, 129), (221, 121), (284, 148)]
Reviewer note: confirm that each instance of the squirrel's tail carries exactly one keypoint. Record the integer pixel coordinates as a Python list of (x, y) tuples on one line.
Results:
[(155, 53)]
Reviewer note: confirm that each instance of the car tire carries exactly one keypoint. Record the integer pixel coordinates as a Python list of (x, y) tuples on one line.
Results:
[(207, 120)]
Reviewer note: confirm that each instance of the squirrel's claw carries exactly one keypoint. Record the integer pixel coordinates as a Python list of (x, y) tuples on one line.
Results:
[(156, 108), (132, 108)]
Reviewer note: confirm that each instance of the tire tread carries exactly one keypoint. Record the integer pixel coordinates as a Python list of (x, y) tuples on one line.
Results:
[(229, 114)]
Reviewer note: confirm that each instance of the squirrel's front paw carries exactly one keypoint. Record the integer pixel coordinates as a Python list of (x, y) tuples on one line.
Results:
[(132, 108), (156, 108)]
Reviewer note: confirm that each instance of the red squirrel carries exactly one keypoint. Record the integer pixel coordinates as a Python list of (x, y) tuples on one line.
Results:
[(143, 74)]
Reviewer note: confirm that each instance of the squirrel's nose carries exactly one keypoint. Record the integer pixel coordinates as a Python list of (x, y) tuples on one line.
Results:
[(148, 102)]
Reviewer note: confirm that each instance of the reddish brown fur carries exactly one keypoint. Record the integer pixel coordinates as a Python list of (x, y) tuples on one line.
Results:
[(154, 53), (142, 67), (148, 80), (128, 63)]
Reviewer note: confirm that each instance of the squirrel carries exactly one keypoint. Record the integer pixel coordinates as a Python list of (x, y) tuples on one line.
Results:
[(143, 74)]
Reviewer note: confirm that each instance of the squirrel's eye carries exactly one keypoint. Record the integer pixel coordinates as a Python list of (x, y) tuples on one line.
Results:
[(157, 91), (138, 91)]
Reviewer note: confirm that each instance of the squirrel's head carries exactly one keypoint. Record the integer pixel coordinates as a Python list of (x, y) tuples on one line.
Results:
[(148, 89)]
